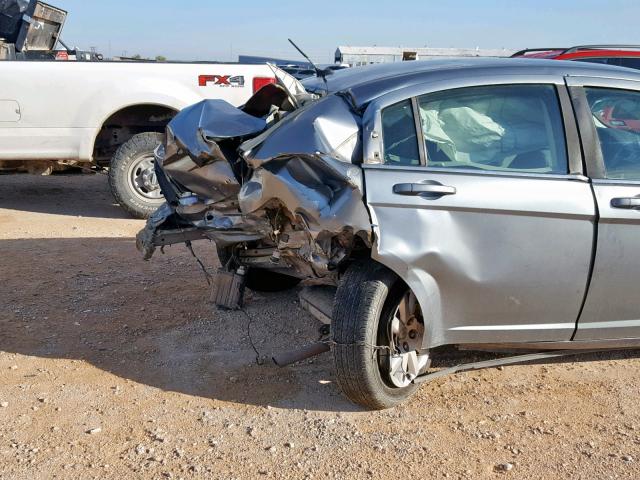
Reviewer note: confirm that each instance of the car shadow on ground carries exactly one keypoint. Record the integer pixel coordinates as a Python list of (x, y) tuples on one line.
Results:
[(151, 322), (75, 195), (95, 300)]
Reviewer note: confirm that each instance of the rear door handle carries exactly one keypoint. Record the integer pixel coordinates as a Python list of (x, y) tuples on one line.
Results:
[(429, 189), (631, 203)]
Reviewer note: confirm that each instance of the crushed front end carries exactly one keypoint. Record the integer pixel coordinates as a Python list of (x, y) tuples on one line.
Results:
[(276, 184)]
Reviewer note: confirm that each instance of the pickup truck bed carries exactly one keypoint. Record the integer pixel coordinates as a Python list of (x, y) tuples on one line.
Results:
[(81, 113)]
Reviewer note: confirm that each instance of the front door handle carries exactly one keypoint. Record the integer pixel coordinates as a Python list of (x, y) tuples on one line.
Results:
[(632, 203), (428, 189)]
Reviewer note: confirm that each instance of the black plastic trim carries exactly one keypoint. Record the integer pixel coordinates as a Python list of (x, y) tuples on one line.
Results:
[(572, 136), (588, 135)]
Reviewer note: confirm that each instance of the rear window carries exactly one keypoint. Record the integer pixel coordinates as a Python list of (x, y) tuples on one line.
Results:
[(616, 114)]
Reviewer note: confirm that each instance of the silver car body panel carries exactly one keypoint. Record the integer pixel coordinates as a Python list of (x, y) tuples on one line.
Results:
[(612, 310), (507, 258)]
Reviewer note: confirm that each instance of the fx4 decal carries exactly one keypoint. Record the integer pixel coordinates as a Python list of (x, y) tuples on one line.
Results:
[(221, 80)]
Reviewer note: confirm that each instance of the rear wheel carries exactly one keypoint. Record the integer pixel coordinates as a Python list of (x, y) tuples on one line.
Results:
[(378, 332), (132, 175)]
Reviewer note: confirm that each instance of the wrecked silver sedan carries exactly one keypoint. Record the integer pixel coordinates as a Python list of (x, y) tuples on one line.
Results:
[(487, 204)]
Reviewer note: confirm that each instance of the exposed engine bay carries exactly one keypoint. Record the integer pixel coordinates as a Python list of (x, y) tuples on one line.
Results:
[(276, 184)]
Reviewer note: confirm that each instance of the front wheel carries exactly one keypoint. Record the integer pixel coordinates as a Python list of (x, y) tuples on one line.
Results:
[(132, 175), (378, 332)]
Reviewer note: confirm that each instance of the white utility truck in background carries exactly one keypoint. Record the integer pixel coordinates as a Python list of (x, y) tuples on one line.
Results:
[(99, 114)]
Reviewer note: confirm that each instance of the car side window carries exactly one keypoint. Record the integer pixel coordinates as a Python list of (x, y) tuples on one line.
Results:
[(511, 128), (616, 114), (399, 135), (629, 62), (602, 60)]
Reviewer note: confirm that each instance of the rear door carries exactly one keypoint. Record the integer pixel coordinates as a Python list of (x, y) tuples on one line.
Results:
[(479, 203), (609, 117)]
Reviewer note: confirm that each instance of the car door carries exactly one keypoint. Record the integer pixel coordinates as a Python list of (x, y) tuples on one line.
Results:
[(609, 115), (479, 204)]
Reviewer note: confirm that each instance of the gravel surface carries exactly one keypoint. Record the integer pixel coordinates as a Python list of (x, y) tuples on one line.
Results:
[(113, 368)]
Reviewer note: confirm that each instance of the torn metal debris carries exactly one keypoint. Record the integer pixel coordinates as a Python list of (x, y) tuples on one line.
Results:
[(273, 183)]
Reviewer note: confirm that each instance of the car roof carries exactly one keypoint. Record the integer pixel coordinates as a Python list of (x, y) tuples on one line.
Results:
[(372, 81)]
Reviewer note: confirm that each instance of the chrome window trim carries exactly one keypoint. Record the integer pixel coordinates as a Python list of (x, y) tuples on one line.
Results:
[(603, 82), (480, 173), (614, 181)]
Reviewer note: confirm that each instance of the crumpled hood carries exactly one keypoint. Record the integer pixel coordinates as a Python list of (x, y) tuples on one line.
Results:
[(197, 130), (199, 151)]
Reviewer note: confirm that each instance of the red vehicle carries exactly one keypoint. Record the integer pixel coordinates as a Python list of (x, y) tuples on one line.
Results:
[(616, 111), (618, 55)]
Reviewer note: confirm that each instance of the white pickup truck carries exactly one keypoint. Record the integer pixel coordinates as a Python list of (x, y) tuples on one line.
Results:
[(108, 114)]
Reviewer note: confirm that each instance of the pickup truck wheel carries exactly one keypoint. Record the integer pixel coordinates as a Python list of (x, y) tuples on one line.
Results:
[(132, 175), (260, 279), (378, 331)]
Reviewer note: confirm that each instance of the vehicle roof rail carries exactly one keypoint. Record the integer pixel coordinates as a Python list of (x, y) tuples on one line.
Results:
[(529, 50), (602, 47), (577, 48)]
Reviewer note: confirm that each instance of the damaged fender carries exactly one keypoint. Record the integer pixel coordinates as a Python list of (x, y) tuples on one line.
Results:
[(322, 198)]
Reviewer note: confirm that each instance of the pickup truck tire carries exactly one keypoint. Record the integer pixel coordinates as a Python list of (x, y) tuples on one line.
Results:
[(132, 177), (365, 303), (260, 279)]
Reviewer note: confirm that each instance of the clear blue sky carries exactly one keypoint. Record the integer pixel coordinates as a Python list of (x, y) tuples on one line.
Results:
[(215, 30)]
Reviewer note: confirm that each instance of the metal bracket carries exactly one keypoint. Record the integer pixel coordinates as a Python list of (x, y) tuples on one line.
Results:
[(467, 367)]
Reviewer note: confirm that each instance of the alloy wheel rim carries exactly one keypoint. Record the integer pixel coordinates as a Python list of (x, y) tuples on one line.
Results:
[(406, 360)]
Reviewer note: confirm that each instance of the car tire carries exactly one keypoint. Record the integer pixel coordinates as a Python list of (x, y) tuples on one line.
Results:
[(132, 178), (262, 280), (365, 302)]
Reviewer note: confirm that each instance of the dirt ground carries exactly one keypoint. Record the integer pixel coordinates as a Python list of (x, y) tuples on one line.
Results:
[(111, 367)]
